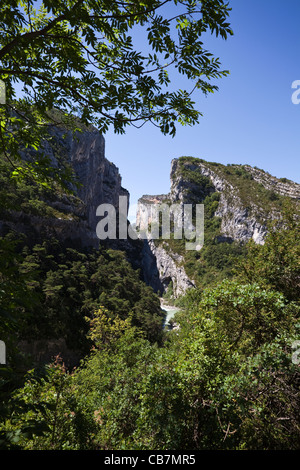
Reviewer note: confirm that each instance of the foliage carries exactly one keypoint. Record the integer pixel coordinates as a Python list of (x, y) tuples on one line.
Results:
[(21, 194), (42, 415), (224, 380), (223, 257), (276, 263), (67, 285), (247, 315), (110, 380), (193, 175), (16, 300), (81, 58), (105, 331), (235, 347), (212, 385), (71, 284), (14, 294)]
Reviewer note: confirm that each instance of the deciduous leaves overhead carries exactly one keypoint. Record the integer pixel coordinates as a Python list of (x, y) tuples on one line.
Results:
[(107, 62)]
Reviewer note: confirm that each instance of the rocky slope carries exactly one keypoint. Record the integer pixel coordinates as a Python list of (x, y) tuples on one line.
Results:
[(72, 217), (241, 201)]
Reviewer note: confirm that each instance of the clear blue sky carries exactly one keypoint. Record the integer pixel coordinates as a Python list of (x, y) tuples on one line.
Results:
[(250, 120)]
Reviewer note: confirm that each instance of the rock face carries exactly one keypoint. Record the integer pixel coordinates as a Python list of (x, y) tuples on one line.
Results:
[(100, 182), (248, 199), (282, 186), (162, 269), (237, 223), (99, 179)]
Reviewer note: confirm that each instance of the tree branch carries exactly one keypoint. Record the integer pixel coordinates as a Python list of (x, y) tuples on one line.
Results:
[(41, 32)]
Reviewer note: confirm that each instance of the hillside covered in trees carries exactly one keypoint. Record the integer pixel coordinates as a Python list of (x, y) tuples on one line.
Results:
[(227, 378)]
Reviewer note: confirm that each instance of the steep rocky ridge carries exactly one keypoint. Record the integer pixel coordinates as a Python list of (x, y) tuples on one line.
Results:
[(73, 217), (282, 186), (249, 197), (242, 201)]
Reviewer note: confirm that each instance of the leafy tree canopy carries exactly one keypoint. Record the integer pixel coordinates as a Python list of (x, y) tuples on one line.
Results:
[(81, 57)]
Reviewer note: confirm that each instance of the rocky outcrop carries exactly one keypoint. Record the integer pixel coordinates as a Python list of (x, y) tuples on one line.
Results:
[(243, 215), (281, 186), (100, 179), (99, 182), (144, 214), (248, 199), (163, 269), (237, 224), (69, 218)]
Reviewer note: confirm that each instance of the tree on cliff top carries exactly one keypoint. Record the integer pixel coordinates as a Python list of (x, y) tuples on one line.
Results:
[(80, 56)]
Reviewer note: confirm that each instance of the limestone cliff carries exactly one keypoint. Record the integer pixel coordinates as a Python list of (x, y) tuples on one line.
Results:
[(163, 269), (242, 201), (100, 179), (73, 217)]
